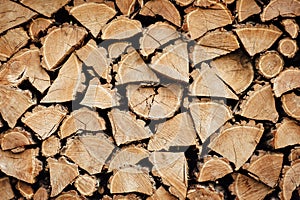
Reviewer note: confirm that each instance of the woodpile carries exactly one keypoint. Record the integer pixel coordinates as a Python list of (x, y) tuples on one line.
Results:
[(149, 99)]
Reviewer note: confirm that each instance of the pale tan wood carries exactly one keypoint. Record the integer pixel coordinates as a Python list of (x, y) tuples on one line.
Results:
[(59, 43), (214, 44), (116, 49), (23, 166), (291, 105), (173, 62), (80, 2), (172, 169), (93, 15), (170, 133), (260, 104), (156, 35), (286, 81), (37, 26), (70, 195), (202, 20), (25, 189), (291, 27), (184, 2), (51, 146), (290, 180), (154, 103), (41, 194), (262, 36), (205, 3), (46, 8), (246, 8), (89, 151), (11, 42), (284, 8), (6, 191), (288, 47), (126, 6), (286, 134), (161, 194), (201, 192), (126, 128), (235, 69), (9, 109), (295, 154), (269, 64), (86, 184), (206, 83), (60, 180), (131, 196)]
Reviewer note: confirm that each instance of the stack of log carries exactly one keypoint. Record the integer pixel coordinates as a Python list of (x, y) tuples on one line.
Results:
[(149, 99)]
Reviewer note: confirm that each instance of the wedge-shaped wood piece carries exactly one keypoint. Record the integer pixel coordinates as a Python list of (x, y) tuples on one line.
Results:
[(93, 16), (126, 128), (213, 168), (290, 103), (41, 194), (116, 49), (72, 194), (173, 62), (23, 166), (171, 167), (44, 120), (163, 8), (81, 120), (154, 103), (202, 192), (25, 189), (6, 191), (126, 6), (257, 38), (130, 196), (205, 3), (38, 26), (269, 64), (155, 36), (59, 43), (46, 8), (13, 14), (295, 154), (286, 81), (286, 134), (131, 179), (260, 104), (246, 8), (86, 184), (288, 47), (283, 8), (11, 42), (132, 68), (214, 44), (59, 180), (184, 2), (206, 83), (175, 132), (235, 69), (13, 103), (291, 27), (51, 146), (89, 151), (237, 143), (203, 20), (290, 180), (161, 194), (248, 188)]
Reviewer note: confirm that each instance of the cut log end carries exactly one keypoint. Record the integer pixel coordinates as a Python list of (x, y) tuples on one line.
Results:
[(288, 47), (270, 64)]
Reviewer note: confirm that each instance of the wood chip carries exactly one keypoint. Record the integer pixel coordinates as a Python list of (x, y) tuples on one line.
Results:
[(41, 194), (295, 154), (291, 27), (51, 146), (269, 64), (86, 184), (6, 191), (246, 8), (93, 16), (288, 47), (161, 194), (286, 134), (290, 180), (38, 26), (126, 6), (291, 105), (286, 81), (201, 192), (25, 189)]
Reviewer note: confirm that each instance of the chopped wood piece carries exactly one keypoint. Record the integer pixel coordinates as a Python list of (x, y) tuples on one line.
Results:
[(161, 194), (13, 14), (131, 179), (126, 6), (214, 44), (38, 26), (246, 8), (93, 16), (291, 27), (154, 103), (172, 169), (14, 102), (284, 8), (288, 47), (290, 180), (261, 35), (25, 189), (6, 191), (201, 192), (213, 168), (245, 187), (286, 81), (23, 166), (202, 84), (72, 195), (170, 133), (126, 128), (295, 154), (131, 196), (46, 8), (11, 42), (60, 180), (41, 194), (287, 133), (237, 143), (100, 96), (51, 146), (173, 62), (155, 36), (260, 104), (205, 3), (184, 2), (90, 152), (269, 64), (203, 20), (86, 184), (163, 8), (116, 49), (235, 69), (81, 120), (291, 105), (59, 43), (132, 68)]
